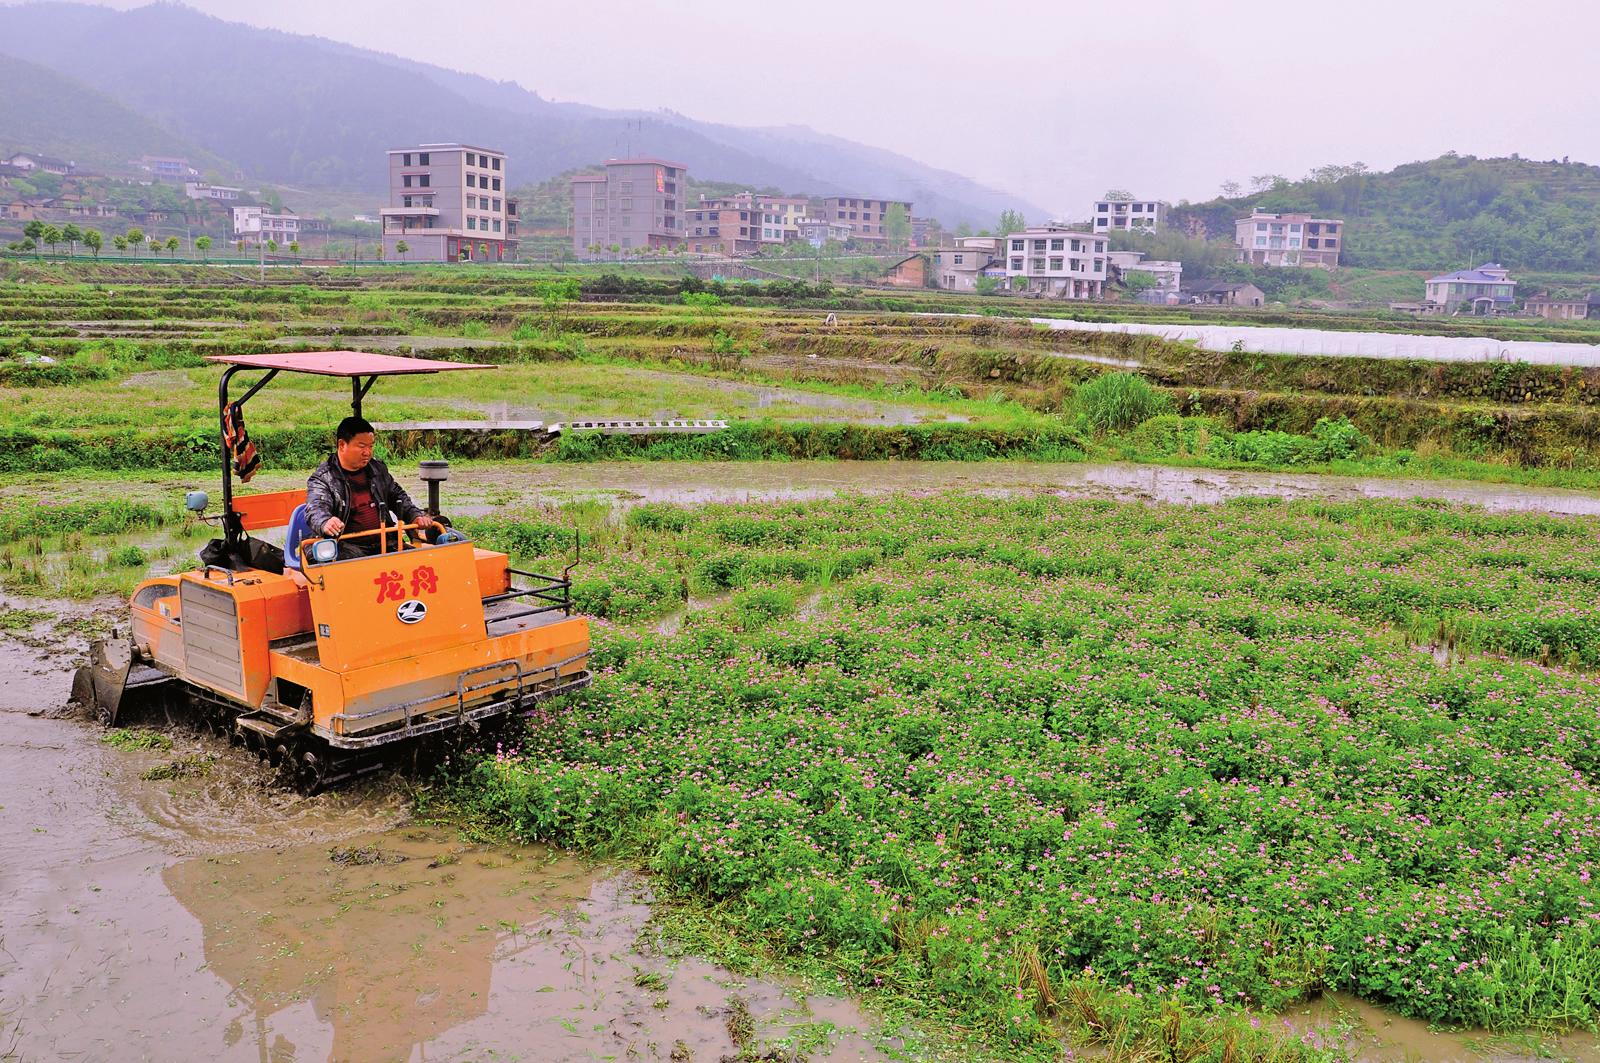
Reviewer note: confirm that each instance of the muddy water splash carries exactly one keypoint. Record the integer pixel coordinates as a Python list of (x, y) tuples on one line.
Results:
[(219, 917)]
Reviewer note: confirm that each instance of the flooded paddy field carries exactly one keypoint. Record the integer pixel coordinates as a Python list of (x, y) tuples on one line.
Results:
[(218, 916), (203, 912), (1021, 760)]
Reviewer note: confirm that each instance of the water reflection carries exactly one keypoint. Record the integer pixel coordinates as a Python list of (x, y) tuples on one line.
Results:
[(390, 939)]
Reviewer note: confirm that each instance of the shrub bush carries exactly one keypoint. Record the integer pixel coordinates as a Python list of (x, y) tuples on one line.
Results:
[(1115, 402)]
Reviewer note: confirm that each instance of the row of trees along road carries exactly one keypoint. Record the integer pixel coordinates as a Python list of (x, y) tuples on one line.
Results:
[(38, 234)]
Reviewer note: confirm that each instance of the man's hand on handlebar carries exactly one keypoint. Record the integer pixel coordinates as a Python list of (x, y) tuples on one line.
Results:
[(334, 527)]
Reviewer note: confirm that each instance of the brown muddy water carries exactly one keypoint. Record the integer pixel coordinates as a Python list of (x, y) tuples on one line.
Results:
[(218, 917)]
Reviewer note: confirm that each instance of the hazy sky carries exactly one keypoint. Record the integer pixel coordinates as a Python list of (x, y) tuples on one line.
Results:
[(1057, 101)]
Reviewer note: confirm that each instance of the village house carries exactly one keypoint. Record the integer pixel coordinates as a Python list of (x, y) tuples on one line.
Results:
[(1288, 240), (1575, 309), (1168, 275), (819, 231), (909, 272), (1488, 289), (28, 162), (1128, 215), (1056, 261), (1225, 293), (958, 268)]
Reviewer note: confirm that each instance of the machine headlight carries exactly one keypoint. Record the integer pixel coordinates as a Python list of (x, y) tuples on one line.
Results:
[(324, 550)]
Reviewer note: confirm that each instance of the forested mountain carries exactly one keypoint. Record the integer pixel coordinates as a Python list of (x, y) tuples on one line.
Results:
[(1449, 212), (315, 113), (47, 112)]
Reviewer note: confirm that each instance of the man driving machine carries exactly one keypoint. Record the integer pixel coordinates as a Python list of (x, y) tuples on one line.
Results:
[(353, 492)]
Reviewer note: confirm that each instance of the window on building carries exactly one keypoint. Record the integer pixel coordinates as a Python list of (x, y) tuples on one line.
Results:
[(494, 163), (1099, 265), (1056, 263), (1038, 245), (496, 205), (472, 159), (959, 259), (497, 225), (1057, 244), (472, 222), (423, 180), (627, 188), (1016, 263), (1036, 265), (1261, 226), (405, 181), (496, 183), (422, 159), (1016, 245)]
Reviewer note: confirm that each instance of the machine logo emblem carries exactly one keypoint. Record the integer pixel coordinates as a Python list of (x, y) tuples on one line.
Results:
[(411, 610)]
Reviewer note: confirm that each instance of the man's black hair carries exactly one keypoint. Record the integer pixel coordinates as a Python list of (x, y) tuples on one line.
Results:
[(352, 426)]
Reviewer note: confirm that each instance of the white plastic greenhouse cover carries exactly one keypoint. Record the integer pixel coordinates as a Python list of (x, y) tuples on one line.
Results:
[(1330, 344)]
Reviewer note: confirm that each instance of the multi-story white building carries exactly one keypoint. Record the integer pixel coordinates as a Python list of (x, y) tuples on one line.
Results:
[(1056, 261), (447, 203), (1128, 215), (257, 225), (1288, 240)]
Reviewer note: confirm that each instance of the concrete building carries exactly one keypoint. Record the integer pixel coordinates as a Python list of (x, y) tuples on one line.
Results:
[(1056, 261), (27, 161), (1168, 274), (167, 167), (865, 217), (635, 203), (197, 190), (257, 225), (1575, 309), (447, 202), (909, 272), (723, 230), (819, 231), (1225, 293), (1129, 215), (778, 215), (1487, 289), (958, 268), (1288, 240)]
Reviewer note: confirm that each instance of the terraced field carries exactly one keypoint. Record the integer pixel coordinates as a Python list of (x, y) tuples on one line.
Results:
[(1020, 771), (92, 372)]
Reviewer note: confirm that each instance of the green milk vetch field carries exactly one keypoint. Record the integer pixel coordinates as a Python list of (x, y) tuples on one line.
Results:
[(1029, 762)]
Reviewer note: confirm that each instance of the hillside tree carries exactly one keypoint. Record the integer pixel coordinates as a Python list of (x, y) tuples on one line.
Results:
[(897, 226), (202, 244), (1011, 221), (172, 246), (50, 237), (73, 236), (94, 240), (121, 244), (400, 248)]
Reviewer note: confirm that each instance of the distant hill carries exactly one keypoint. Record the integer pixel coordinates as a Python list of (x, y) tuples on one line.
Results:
[(1453, 211), (315, 113), (55, 115)]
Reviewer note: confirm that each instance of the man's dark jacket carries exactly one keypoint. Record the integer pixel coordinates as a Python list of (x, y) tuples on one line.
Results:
[(328, 494)]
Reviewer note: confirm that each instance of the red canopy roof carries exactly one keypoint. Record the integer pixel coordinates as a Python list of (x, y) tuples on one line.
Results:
[(342, 363)]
